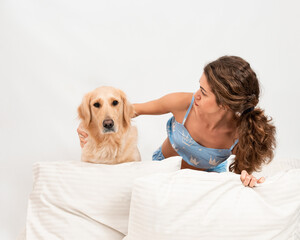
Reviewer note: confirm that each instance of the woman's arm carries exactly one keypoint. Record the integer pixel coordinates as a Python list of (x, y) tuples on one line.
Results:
[(173, 102), (169, 103)]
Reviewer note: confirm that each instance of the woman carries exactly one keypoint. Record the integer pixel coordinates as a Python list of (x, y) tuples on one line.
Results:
[(220, 119)]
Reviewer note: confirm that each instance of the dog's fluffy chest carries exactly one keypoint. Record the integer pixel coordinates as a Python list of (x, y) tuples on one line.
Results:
[(110, 150), (100, 153)]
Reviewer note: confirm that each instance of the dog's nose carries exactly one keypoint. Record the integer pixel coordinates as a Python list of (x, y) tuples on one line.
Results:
[(108, 123)]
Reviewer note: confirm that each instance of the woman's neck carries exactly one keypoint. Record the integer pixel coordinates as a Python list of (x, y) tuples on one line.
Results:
[(223, 119)]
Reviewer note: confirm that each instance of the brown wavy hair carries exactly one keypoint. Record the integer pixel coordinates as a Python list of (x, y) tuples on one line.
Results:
[(236, 86)]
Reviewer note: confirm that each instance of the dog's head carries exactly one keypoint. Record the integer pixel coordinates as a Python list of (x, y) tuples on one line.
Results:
[(107, 109)]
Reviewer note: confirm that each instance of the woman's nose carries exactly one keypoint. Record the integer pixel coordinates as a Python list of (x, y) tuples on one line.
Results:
[(198, 95)]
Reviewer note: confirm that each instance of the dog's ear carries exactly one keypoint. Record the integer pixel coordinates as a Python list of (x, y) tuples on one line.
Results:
[(84, 110), (128, 111)]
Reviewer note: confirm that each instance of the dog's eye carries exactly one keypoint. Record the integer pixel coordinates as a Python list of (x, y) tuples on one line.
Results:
[(97, 105), (115, 103)]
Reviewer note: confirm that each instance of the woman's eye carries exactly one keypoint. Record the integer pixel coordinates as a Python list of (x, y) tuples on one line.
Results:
[(115, 103), (97, 105)]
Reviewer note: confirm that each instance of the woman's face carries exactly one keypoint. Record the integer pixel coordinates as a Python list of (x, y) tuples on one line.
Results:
[(205, 100)]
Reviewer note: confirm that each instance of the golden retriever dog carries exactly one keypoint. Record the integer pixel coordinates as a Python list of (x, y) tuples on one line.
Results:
[(106, 117)]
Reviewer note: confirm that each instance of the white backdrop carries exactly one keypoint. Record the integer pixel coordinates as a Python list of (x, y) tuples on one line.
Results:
[(53, 52)]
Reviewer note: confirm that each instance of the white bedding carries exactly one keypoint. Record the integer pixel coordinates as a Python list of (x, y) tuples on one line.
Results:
[(76, 200), (191, 205)]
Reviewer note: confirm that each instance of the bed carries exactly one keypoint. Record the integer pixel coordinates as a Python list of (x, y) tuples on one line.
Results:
[(157, 200)]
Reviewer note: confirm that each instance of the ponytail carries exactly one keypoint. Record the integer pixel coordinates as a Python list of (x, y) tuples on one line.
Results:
[(256, 141)]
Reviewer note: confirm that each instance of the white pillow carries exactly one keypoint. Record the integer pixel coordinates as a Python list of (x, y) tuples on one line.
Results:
[(193, 205), (77, 200), (278, 165)]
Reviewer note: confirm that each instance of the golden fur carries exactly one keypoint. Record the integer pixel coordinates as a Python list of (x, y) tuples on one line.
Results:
[(106, 143)]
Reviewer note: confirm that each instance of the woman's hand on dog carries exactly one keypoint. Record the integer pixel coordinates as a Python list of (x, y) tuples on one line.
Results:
[(250, 180), (82, 136)]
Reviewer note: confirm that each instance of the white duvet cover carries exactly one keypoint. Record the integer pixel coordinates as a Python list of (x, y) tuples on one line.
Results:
[(77, 200), (191, 205)]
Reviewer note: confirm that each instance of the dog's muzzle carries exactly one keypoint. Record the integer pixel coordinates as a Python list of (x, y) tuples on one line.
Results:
[(108, 125)]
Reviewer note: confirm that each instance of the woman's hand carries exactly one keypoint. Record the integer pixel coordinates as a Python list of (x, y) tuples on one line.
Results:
[(82, 136), (249, 180)]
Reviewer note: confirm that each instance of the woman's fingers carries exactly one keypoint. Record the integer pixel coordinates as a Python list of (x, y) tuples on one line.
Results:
[(249, 180), (81, 133), (82, 136), (261, 180), (253, 182), (243, 175), (245, 178), (82, 142)]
